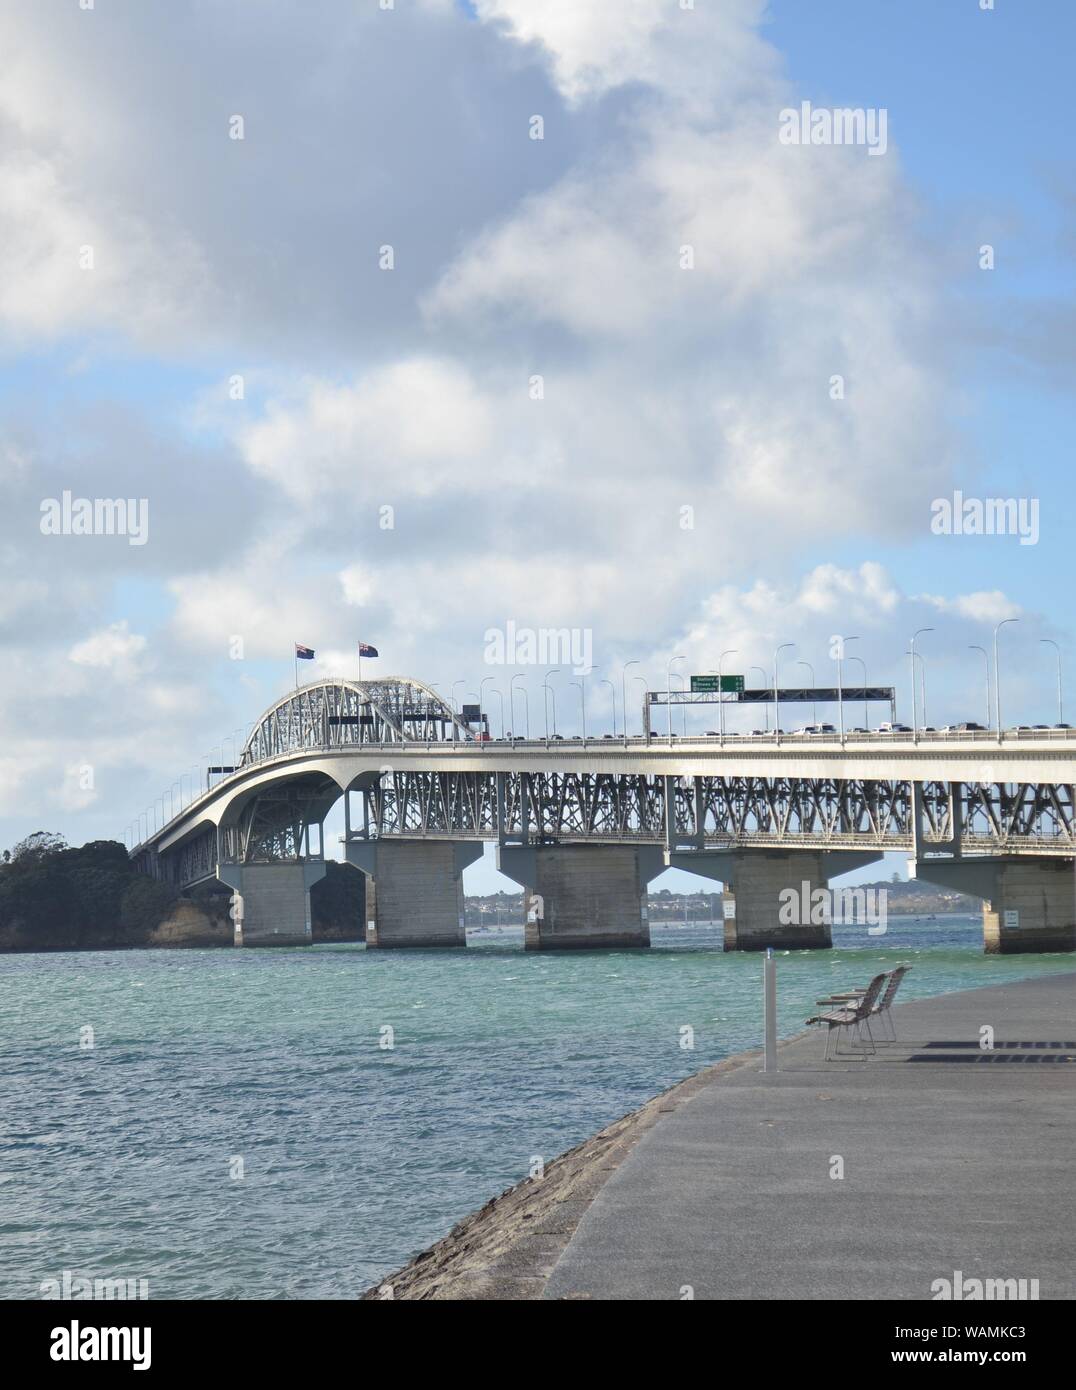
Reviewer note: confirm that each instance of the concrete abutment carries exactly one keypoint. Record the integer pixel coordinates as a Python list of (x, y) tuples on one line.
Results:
[(770, 897), (273, 901), (414, 890), (1029, 905), (583, 897)]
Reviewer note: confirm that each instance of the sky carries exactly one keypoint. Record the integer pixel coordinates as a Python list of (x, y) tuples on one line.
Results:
[(389, 368)]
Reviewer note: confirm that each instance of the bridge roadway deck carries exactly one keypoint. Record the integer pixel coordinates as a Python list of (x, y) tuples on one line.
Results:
[(959, 1162), (1047, 758)]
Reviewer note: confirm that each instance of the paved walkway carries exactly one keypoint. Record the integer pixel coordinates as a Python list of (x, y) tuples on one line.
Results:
[(954, 1160)]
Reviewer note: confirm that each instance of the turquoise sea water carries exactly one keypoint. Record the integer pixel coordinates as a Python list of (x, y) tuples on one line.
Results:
[(118, 1160)]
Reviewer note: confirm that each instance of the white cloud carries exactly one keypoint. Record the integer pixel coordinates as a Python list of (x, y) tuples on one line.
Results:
[(113, 648), (985, 606), (406, 428), (598, 46)]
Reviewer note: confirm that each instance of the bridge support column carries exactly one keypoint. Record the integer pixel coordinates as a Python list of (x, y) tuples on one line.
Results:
[(274, 901), (583, 897), (414, 890), (767, 898), (1029, 905), (759, 917)]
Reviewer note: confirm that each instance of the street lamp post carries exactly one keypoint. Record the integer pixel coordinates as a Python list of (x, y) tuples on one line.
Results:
[(1049, 641), (842, 642), (814, 706), (545, 702), (668, 691), (482, 697), (455, 702), (866, 712), (922, 688), (997, 681), (732, 651), (641, 680), (623, 695), (583, 707), (526, 702), (500, 697), (676, 676), (776, 696), (918, 632), (612, 699), (766, 706), (986, 672)]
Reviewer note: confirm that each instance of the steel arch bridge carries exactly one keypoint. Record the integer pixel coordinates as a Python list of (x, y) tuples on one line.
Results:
[(342, 714), (424, 773)]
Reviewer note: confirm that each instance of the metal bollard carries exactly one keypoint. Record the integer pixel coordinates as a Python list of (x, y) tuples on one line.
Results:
[(769, 994)]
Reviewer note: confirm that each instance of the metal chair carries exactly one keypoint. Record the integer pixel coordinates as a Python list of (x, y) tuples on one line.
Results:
[(885, 1002), (854, 1013)]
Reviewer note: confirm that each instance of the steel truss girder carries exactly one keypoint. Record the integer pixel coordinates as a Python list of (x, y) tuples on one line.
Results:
[(782, 811)]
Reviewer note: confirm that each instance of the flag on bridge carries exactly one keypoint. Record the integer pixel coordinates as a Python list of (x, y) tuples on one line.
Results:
[(303, 653), (365, 650)]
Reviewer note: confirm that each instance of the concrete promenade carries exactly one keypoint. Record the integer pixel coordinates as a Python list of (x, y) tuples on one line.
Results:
[(954, 1159)]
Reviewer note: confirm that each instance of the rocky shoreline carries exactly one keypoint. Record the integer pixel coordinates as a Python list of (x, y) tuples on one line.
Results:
[(507, 1249)]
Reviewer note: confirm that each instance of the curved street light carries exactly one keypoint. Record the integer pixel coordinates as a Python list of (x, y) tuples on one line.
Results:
[(623, 694), (545, 703), (583, 705), (500, 697), (482, 693), (917, 633), (842, 642), (732, 651), (612, 698), (676, 676), (1049, 641), (766, 706), (997, 680), (776, 696), (641, 680), (526, 702), (866, 712), (986, 671), (922, 687), (668, 691)]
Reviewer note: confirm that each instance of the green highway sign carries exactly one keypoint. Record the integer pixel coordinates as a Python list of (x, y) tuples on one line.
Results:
[(701, 685)]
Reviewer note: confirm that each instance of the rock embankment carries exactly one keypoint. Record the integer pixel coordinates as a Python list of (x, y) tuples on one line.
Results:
[(507, 1250)]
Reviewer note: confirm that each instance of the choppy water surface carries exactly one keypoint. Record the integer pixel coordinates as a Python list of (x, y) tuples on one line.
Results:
[(119, 1160)]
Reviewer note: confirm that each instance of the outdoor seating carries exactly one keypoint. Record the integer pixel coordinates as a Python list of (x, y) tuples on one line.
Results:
[(854, 1013), (882, 1007)]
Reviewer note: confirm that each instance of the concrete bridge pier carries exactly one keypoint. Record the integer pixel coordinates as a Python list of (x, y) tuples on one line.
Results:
[(768, 894), (273, 907), (1029, 905), (414, 890), (583, 897)]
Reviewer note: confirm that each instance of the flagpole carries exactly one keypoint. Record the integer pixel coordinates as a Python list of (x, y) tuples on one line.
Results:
[(295, 663)]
